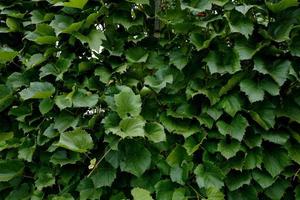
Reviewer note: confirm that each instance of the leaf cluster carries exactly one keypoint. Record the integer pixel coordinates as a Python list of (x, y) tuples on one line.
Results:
[(149, 99)]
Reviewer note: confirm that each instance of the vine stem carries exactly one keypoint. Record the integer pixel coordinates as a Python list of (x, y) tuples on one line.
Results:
[(156, 20), (296, 174), (99, 161), (198, 195), (26, 176), (87, 156)]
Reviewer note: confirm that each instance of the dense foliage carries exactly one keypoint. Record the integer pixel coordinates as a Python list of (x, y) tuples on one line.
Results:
[(144, 99)]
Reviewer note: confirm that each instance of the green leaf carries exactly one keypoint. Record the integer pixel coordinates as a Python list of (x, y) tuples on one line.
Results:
[(46, 105), (43, 34), (88, 191), (193, 143), (64, 24), (253, 158), (278, 137), (17, 80), (252, 90), (58, 69), (65, 120), (182, 111), (104, 74), (83, 98), (62, 157), (246, 48), (232, 82), (76, 3), (34, 60), (294, 46), (136, 55), (278, 69), (225, 61), (38, 16), (179, 59), (239, 23), (127, 103), (13, 24), (179, 194), (213, 112), (6, 97), (177, 156), (10, 169), (231, 104), (155, 132), (182, 127), (236, 129), (179, 174), (65, 196), (6, 136), (270, 86), (139, 193), (119, 195), (130, 127), (229, 149), (159, 80), (146, 181), (78, 98), (213, 193), (26, 151), (237, 179), (21, 111), (219, 2), (209, 175), (264, 179), (62, 101), (244, 193), (37, 90), (281, 5), (293, 152), (277, 190), (104, 176), (289, 109), (128, 21), (78, 140), (201, 40), (280, 32), (164, 190), (45, 178), (7, 54), (264, 115), (140, 2), (22, 192), (198, 6), (136, 158), (94, 39), (275, 160), (297, 192)]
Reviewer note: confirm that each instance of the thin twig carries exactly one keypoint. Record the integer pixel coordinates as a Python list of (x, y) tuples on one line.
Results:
[(25, 176), (296, 174), (156, 20), (87, 156), (99, 161), (199, 196)]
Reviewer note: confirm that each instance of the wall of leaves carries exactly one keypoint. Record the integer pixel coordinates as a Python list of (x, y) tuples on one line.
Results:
[(144, 99)]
